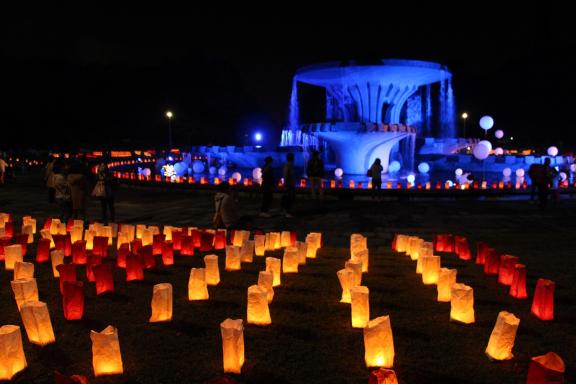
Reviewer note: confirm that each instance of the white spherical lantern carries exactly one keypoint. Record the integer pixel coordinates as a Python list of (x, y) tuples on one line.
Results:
[(572, 167), (237, 176), (481, 151), (520, 172), (411, 179), (507, 172), (563, 176), (552, 151), (222, 171), (423, 167), (146, 172), (458, 172), (394, 166), (198, 166), (486, 122), (212, 170), (257, 173), (499, 133), (487, 144), (498, 151), (338, 172)]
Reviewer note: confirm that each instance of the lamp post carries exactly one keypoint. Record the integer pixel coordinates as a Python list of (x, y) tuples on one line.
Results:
[(464, 116), (169, 115)]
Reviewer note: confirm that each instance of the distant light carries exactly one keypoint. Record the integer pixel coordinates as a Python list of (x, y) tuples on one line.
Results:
[(511, 138), (411, 179), (464, 115), (139, 160), (169, 114), (170, 158), (258, 146), (258, 136)]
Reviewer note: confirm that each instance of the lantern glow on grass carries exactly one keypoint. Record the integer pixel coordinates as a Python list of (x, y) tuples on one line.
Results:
[(106, 356), (12, 359), (502, 337), (232, 332), (233, 260), (266, 281), (37, 323), (379, 343), (197, 287), (161, 303), (211, 269), (543, 302), (446, 279), (462, 304), (360, 306), (274, 265), (347, 279), (257, 309), (25, 290)]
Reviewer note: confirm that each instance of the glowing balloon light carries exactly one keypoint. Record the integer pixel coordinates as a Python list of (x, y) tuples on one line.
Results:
[(499, 134), (257, 173), (498, 151), (222, 171), (212, 170), (486, 122), (411, 179), (423, 167), (394, 166), (237, 176), (481, 151), (507, 172), (338, 172), (458, 172), (520, 172), (552, 151), (198, 166)]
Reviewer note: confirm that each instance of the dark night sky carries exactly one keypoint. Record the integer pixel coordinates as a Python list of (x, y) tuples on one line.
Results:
[(90, 84)]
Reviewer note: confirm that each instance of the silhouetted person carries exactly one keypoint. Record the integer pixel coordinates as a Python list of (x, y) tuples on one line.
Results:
[(78, 190), (376, 174), (61, 189), (267, 187), (49, 178), (315, 172), (227, 214), (548, 174), (537, 174), (289, 186), (105, 178)]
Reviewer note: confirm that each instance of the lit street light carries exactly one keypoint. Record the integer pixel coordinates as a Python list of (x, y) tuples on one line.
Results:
[(169, 115), (464, 116)]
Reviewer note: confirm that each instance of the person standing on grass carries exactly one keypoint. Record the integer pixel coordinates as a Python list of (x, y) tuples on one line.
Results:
[(267, 187), (49, 178), (375, 172), (61, 190), (289, 187)]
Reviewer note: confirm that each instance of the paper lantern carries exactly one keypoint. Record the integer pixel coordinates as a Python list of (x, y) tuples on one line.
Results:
[(187, 246), (73, 300), (92, 261), (546, 369), (356, 268), (100, 247), (104, 278), (76, 234), (22, 240), (462, 248), (492, 262), (134, 268), (211, 270), (29, 221), (481, 251), (54, 225), (147, 257), (247, 251), (25, 290), (177, 240), (379, 343), (121, 254), (167, 253), (12, 254), (140, 230), (239, 236), (274, 265), (363, 257), (552, 151), (147, 237), (12, 359), (257, 309), (290, 260), (232, 345), (518, 286), (45, 234), (302, 250), (401, 243), (426, 249), (271, 239), (444, 243), (382, 376), (543, 302), (67, 272), (259, 245), (197, 287), (157, 241), (285, 239), (23, 270), (79, 252), (314, 241), (446, 279), (207, 241), (62, 243), (233, 260), (414, 245), (106, 356), (502, 337), (43, 251), (129, 231), (36, 320), (360, 306), (161, 303), (347, 280), (57, 258), (430, 269), (462, 304), (506, 269), (196, 236), (89, 237), (266, 281)]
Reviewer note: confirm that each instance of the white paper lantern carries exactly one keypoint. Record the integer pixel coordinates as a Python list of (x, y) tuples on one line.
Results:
[(498, 151), (520, 172), (394, 166), (257, 173), (507, 172), (423, 168), (499, 134), (222, 171), (338, 172), (481, 151), (458, 172), (552, 151), (237, 176), (411, 179), (486, 122)]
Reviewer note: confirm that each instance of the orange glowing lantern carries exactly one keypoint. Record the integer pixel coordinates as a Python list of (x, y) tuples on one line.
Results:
[(12, 254), (302, 250), (271, 240), (25, 290), (259, 245), (462, 304), (518, 286), (363, 257), (446, 279), (73, 300), (167, 253), (266, 281), (543, 302), (290, 260), (285, 239), (29, 221), (197, 287), (401, 243), (212, 272), (430, 269), (147, 236), (356, 268), (12, 359), (274, 265), (76, 234), (492, 262), (79, 252), (232, 345), (379, 343), (106, 356), (220, 239), (23, 270), (239, 237), (360, 306), (104, 278), (29, 232), (161, 303), (257, 309), (57, 258), (134, 268), (36, 319), (89, 236), (67, 272), (414, 244), (507, 268), (233, 261), (247, 251), (546, 369), (383, 376), (502, 337), (346, 278)]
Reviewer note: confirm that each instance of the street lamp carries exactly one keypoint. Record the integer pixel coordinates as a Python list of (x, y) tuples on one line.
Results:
[(464, 116), (169, 115)]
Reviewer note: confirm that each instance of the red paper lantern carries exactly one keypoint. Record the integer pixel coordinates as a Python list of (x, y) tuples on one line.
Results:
[(136, 245), (100, 246), (121, 254), (134, 268), (206, 241), (147, 257), (481, 250), (74, 379), (177, 240), (47, 223), (219, 240), (395, 243), (42, 251), (462, 248), (4, 242), (506, 269), (79, 252), (231, 240), (546, 369), (382, 376), (73, 300), (157, 241), (518, 286), (67, 273), (187, 246), (543, 303), (69, 224), (196, 237), (167, 253), (492, 262), (9, 229), (104, 278), (60, 243), (92, 261), (293, 238)]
